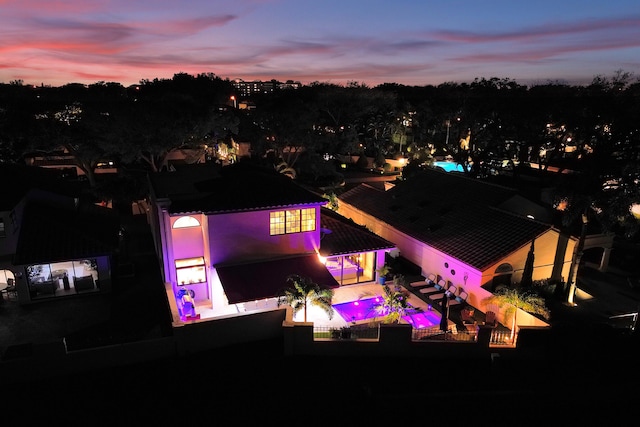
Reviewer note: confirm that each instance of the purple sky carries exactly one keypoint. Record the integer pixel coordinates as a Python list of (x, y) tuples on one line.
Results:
[(411, 42)]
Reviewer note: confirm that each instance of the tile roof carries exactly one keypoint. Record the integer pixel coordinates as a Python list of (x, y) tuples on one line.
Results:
[(50, 233), (231, 188), (343, 236), (18, 180), (452, 213)]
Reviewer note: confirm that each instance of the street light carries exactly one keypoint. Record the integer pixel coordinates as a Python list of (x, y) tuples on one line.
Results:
[(235, 103)]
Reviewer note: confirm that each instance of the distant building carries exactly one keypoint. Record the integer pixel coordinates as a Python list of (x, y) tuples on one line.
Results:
[(247, 89)]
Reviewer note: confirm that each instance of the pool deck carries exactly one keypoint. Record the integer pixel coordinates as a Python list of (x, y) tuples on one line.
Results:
[(353, 293), (317, 315)]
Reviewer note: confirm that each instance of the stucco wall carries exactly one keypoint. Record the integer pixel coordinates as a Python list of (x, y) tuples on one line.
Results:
[(252, 230), (433, 261)]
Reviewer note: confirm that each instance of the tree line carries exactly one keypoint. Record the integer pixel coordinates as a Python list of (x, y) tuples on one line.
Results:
[(593, 128)]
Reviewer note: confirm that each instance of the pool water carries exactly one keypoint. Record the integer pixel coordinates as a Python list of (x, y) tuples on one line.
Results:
[(427, 319), (448, 166), (364, 309)]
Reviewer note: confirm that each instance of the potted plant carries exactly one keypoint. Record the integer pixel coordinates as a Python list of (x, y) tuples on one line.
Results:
[(382, 271)]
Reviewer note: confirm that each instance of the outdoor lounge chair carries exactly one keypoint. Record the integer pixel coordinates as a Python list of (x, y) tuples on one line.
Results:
[(450, 292), (419, 284), (460, 299), (437, 287), (428, 282)]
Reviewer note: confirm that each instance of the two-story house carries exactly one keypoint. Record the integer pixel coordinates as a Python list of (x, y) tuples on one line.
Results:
[(229, 236)]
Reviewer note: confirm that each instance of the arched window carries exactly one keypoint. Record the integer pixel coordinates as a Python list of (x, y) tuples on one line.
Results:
[(504, 269), (186, 221)]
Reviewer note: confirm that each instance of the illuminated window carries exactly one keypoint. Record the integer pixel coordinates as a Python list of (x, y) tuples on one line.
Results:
[(190, 270), (276, 223), (186, 221), (308, 219), (292, 221)]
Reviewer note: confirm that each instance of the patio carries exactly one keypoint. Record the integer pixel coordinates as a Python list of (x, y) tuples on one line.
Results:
[(314, 314)]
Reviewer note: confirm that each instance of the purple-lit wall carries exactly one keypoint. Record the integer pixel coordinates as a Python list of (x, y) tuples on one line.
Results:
[(233, 237), (245, 237)]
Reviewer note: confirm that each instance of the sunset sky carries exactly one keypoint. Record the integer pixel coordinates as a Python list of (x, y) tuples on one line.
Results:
[(411, 42)]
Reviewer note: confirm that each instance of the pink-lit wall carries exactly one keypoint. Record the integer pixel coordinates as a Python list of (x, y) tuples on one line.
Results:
[(187, 242)]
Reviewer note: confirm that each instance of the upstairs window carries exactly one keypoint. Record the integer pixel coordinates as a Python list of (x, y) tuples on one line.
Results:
[(308, 219), (292, 221), (276, 223)]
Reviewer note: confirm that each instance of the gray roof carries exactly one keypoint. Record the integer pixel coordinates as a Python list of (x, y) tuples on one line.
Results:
[(235, 188), (50, 233), (343, 236), (452, 213)]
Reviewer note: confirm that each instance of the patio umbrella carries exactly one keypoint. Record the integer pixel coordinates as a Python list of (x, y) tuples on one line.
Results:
[(527, 273), (444, 320)]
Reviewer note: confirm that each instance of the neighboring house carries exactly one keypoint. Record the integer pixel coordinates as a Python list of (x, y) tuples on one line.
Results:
[(465, 231), (229, 236), (67, 164), (51, 245)]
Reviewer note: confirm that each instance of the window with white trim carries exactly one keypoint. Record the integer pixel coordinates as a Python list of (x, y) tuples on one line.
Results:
[(292, 221)]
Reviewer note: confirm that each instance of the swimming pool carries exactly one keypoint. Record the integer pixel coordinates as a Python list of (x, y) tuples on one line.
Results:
[(448, 166), (364, 309), (361, 309), (426, 319)]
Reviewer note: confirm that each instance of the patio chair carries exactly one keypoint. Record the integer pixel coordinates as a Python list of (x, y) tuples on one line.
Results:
[(419, 284), (450, 292), (467, 315), (460, 299), (437, 287), (490, 318)]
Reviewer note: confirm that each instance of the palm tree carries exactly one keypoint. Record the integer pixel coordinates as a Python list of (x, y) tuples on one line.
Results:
[(515, 299), (284, 168), (302, 292), (395, 304)]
